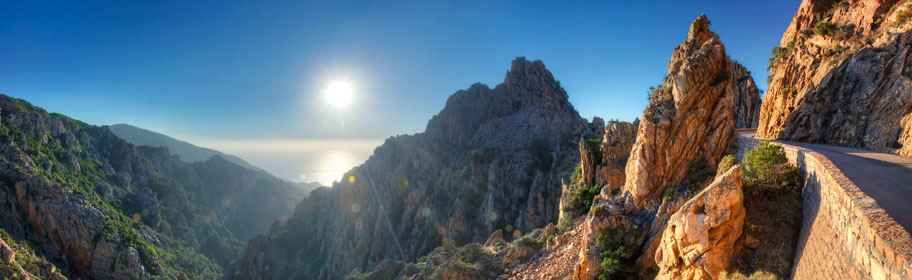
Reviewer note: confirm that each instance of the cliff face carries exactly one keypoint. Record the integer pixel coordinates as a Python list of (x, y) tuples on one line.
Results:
[(746, 97), (102, 208), (691, 117), (491, 160), (840, 76), (603, 160)]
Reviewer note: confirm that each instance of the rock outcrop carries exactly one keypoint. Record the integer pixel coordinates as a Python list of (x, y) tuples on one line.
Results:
[(699, 239), (746, 97), (603, 160), (691, 117), (492, 159), (841, 76), (19, 262)]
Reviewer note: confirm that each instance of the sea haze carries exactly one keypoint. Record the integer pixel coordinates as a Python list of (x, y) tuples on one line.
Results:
[(321, 161)]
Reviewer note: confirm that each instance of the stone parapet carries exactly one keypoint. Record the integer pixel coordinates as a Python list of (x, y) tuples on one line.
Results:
[(844, 233)]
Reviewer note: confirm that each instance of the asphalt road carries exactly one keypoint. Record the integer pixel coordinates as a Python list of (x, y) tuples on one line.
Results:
[(886, 178)]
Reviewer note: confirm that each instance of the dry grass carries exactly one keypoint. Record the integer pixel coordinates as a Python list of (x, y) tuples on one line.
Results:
[(771, 228)]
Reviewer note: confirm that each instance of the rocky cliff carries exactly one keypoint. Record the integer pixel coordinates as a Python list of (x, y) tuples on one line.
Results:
[(841, 76), (603, 160), (746, 97), (99, 207), (492, 159), (691, 117)]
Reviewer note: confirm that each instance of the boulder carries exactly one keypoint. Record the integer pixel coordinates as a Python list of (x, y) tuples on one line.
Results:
[(699, 240)]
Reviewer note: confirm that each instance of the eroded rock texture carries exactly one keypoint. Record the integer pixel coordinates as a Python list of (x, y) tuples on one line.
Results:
[(693, 120), (746, 97), (602, 160), (699, 239), (491, 160), (841, 76)]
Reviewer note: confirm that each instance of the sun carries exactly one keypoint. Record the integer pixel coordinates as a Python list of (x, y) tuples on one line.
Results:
[(339, 94)]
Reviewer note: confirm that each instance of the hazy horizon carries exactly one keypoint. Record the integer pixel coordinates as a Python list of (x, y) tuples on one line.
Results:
[(234, 77)]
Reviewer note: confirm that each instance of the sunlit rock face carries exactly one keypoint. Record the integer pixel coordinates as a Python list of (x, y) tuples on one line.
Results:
[(693, 120), (602, 162), (699, 240), (846, 84), (491, 160)]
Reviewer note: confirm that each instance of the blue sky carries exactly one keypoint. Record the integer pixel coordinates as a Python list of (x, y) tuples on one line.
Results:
[(226, 70)]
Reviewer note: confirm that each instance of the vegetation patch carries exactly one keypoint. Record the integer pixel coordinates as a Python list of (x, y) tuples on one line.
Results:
[(618, 253), (772, 195), (824, 28), (698, 173), (581, 199)]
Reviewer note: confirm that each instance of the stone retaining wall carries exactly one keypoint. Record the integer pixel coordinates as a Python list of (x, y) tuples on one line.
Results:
[(844, 233)]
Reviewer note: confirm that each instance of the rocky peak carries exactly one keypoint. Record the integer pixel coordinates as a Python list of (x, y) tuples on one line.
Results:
[(529, 83), (492, 159), (693, 120), (699, 31)]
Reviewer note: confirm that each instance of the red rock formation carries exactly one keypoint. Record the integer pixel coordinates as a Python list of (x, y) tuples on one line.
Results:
[(602, 162), (847, 83), (694, 119), (699, 239)]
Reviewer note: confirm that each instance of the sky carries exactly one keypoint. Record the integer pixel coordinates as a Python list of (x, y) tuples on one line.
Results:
[(228, 71)]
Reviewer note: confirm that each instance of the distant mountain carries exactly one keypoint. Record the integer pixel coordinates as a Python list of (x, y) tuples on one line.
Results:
[(186, 151), (91, 205), (492, 159)]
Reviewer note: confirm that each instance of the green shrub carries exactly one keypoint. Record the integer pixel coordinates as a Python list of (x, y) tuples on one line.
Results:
[(697, 174), (824, 28), (903, 15), (594, 144), (776, 55), (617, 254), (658, 90), (668, 194), (807, 32), (549, 239), (757, 275), (725, 164), (767, 168), (577, 174), (581, 199)]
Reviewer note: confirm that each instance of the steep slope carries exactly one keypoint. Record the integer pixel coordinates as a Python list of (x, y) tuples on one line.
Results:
[(746, 97), (102, 208), (491, 159), (186, 151), (841, 76)]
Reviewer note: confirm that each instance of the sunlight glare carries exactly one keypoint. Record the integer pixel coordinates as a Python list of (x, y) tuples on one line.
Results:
[(339, 93)]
